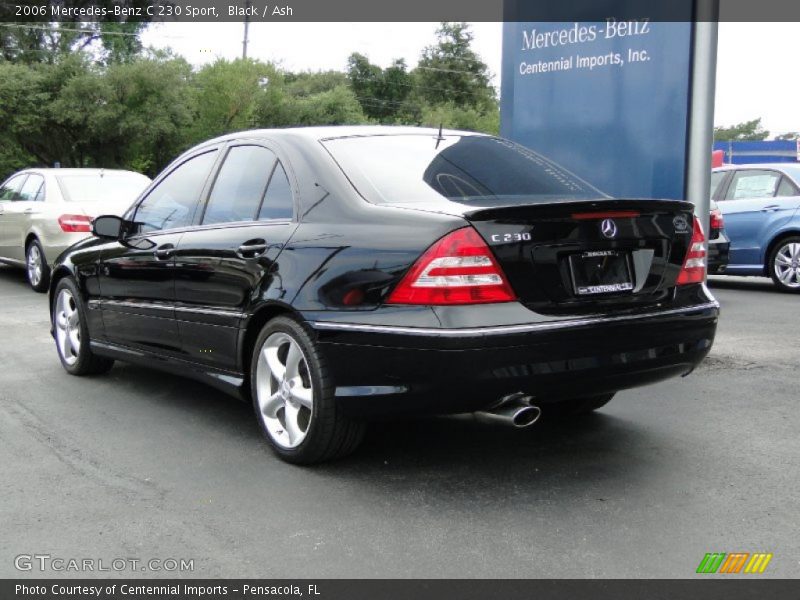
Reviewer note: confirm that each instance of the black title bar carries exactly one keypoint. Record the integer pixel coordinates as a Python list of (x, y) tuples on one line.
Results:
[(732, 588), (396, 10)]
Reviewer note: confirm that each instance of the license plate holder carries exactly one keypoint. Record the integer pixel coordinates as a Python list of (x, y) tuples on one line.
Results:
[(601, 272)]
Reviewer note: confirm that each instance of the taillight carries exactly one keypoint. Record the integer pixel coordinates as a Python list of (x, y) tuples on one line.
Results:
[(75, 223), (457, 269), (694, 265), (717, 222)]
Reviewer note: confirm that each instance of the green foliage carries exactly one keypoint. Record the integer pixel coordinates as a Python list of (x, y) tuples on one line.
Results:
[(380, 92), (449, 87), (226, 94), (43, 41), (747, 131), (80, 115), (451, 72), (86, 95), (790, 135), (452, 116), (307, 83)]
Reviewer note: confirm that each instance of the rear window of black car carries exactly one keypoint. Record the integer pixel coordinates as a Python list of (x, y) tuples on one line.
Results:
[(472, 169)]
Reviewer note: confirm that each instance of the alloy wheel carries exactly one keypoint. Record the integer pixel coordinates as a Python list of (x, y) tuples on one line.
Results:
[(68, 327), (34, 264), (284, 391), (787, 264)]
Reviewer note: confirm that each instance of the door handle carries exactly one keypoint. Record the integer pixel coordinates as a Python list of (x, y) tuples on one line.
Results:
[(771, 208), (252, 248), (164, 251)]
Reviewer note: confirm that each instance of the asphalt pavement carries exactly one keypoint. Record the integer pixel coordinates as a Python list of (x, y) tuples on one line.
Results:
[(139, 464)]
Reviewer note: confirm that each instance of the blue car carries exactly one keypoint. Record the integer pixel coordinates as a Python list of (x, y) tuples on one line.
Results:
[(761, 207)]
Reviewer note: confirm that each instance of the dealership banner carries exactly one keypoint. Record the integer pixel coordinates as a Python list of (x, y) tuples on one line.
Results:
[(397, 589), (608, 100)]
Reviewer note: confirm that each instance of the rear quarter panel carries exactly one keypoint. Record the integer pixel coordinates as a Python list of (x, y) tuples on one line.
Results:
[(344, 243)]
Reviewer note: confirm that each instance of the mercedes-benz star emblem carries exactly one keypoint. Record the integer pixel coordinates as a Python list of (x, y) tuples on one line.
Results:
[(609, 228)]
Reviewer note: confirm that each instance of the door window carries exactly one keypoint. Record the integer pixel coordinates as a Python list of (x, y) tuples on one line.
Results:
[(173, 202), (753, 184), (787, 188), (10, 189), (32, 188), (240, 185), (278, 201)]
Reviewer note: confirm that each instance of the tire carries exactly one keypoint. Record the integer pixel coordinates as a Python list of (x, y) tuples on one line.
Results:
[(36, 267), (783, 265), (72, 333), (575, 407), (297, 411)]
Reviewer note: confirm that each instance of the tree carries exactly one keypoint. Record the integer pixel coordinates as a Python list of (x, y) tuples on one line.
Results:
[(458, 117), (791, 135), (381, 92), (307, 83), (28, 117), (46, 42), (227, 95), (135, 115), (747, 131), (281, 106), (450, 71)]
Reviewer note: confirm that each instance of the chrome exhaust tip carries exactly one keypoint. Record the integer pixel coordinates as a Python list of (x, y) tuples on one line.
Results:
[(514, 410)]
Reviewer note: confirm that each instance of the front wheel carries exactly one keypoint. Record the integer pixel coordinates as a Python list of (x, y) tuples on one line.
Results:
[(72, 333), (294, 399), (784, 265), (36, 267)]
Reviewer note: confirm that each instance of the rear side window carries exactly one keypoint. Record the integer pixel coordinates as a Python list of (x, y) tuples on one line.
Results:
[(174, 200), (278, 202), (787, 188), (716, 179), (32, 189), (10, 190), (753, 184), (475, 169), (240, 185)]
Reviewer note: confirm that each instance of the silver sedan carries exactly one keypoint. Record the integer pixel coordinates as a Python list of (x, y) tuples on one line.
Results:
[(44, 211)]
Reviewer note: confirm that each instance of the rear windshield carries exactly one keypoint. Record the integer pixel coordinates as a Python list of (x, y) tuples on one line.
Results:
[(100, 187), (480, 170)]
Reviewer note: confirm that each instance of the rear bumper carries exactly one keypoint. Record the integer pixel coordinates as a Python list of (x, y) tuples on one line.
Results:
[(389, 370), (718, 255)]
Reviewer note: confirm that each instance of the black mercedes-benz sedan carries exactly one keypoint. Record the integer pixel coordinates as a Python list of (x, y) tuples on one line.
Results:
[(340, 274)]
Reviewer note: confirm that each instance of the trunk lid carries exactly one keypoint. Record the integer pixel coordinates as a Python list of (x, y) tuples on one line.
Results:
[(589, 256)]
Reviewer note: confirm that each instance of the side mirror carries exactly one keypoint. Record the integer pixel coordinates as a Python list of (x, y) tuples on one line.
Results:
[(108, 227)]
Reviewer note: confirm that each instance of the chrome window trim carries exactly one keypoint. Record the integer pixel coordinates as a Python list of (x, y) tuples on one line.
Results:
[(505, 329), (97, 303)]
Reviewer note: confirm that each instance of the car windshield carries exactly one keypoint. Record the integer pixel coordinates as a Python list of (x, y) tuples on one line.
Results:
[(102, 186), (471, 169)]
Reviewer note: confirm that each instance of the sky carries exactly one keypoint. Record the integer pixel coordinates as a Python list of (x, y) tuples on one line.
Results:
[(752, 59)]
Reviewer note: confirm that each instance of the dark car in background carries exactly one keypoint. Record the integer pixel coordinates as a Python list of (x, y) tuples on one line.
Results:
[(718, 243), (760, 204), (334, 275)]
